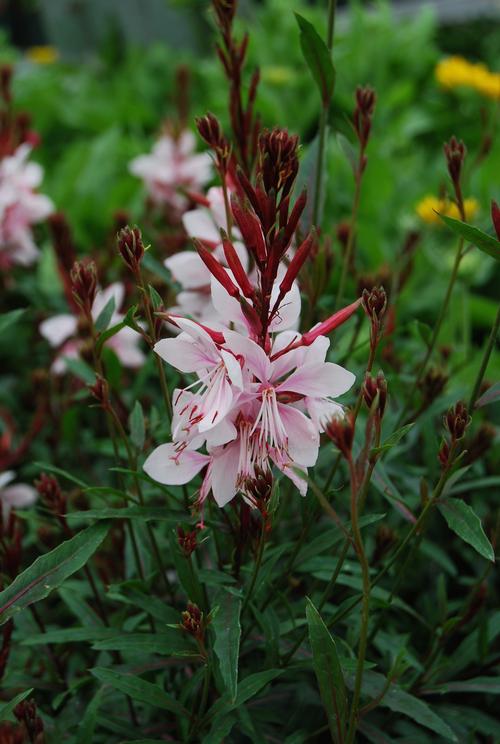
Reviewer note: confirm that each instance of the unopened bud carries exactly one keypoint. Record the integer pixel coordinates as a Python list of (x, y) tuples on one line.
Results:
[(50, 492), (362, 117), (375, 387), (131, 247), (455, 152), (100, 391), (340, 429), (84, 284), (457, 420), (192, 621), (186, 540)]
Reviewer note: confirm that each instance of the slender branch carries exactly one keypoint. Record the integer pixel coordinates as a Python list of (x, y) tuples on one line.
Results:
[(484, 363)]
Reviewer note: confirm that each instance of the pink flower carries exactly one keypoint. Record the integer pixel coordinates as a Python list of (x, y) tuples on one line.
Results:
[(269, 412), (219, 376), (18, 496), (20, 207), (173, 165), (61, 333), (203, 223)]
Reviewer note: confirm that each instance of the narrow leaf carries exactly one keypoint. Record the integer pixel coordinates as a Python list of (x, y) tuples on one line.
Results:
[(226, 625), (50, 570), (10, 318), (486, 243), (139, 689), (394, 439), (7, 708), (318, 58), (465, 523), (328, 672), (402, 702), (137, 427), (171, 642), (105, 315), (86, 728)]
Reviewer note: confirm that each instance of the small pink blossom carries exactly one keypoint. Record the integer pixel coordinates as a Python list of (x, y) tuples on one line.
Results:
[(61, 333), (173, 165), (21, 206), (16, 496)]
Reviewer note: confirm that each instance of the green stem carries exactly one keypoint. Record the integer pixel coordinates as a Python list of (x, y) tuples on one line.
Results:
[(365, 613), (435, 334), (484, 363), (158, 361), (256, 569)]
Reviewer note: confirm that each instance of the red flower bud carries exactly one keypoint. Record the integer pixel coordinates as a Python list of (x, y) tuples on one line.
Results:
[(251, 230), (234, 264), (296, 264), (329, 325), (84, 284), (217, 270)]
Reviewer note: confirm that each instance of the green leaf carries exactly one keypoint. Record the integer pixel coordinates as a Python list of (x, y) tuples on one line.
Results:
[(394, 439), (69, 635), (328, 672), (10, 318), (318, 58), (492, 395), (486, 243), (59, 471), (86, 728), (171, 642), (137, 427), (139, 689), (50, 570), (155, 298), (465, 523), (148, 513), (80, 369), (486, 685), (7, 708), (105, 315), (227, 628), (128, 321), (247, 689), (402, 702)]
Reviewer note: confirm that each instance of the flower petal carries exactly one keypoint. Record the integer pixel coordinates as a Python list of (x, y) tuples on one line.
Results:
[(224, 472), (303, 437), (167, 466), (59, 328)]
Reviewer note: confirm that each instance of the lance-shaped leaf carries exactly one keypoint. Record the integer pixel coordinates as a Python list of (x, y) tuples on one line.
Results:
[(139, 689), (49, 571), (7, 708), (104, 317), (226, 625), (318, 58), (465, 523), (328, 672), (137, 426), (486, 243)]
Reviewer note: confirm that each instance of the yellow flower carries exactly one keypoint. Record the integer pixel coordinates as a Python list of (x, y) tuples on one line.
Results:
[(42, 55), (429, 205), (454, 72)]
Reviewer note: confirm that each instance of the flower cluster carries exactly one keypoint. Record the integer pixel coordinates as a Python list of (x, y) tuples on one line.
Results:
[(263, 392), (173, 167), (21, 206), (454, 72), (430, 207)]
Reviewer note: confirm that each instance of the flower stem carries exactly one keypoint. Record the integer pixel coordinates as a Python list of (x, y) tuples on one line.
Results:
[(256, 569), (484, 363), (435, 334), (350, 239), (365, 613)]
